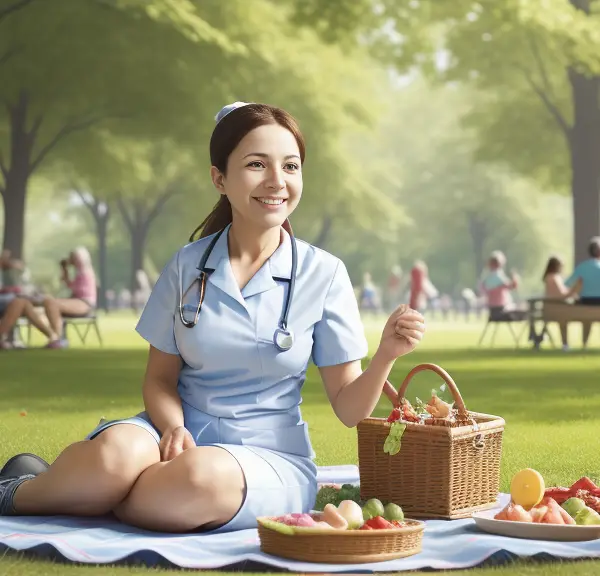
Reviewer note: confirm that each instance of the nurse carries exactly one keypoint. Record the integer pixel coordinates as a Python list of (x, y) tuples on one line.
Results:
[(232, 324)]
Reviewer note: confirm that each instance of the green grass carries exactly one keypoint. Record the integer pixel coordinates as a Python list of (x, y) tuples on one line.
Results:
[(549, 399)]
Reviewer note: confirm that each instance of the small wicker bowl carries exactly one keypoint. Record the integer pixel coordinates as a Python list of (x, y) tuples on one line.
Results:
[(342, 546)]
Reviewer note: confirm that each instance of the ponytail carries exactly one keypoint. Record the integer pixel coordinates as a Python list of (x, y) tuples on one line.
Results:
[(220, 217)]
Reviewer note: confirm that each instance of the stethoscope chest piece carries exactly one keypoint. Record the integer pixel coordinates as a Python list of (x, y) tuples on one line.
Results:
[(283, 339)]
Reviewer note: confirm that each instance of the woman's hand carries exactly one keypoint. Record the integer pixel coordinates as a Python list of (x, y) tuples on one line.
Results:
[(402, 333), (174, 441)]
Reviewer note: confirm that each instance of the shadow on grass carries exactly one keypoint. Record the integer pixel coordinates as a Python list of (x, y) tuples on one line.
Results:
[(519, 385)]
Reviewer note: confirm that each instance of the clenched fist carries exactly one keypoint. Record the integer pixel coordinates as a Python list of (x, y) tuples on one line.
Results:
[(402, 333)]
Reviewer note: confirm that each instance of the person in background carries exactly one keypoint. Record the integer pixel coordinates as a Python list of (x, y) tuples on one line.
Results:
[(12, 271), (587, 274), (368, 294), (555, 289), (497, 287), (421, 288), (81, 302), (394, 287)]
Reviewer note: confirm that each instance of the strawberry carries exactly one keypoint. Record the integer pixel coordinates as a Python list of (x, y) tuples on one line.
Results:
[(395, 415)]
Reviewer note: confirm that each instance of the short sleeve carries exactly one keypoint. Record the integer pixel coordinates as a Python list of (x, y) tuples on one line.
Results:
[(339, 336), (570, 281), (157, 322)]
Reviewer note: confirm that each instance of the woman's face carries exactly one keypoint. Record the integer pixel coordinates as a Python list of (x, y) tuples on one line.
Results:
[(264, 176)]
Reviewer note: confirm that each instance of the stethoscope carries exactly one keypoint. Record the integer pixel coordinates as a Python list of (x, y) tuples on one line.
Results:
[(283, 338)]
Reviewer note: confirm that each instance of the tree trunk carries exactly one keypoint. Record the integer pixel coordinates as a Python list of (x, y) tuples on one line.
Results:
[(138, 247), (102, 230), (478, 233), (15, 195), (585, 161), (16, 177), (324, 233)]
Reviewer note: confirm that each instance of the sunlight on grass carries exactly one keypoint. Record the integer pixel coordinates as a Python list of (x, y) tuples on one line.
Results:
[(550, 401)]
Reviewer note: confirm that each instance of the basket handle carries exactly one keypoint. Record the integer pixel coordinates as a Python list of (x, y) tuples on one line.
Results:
[(395, 397)]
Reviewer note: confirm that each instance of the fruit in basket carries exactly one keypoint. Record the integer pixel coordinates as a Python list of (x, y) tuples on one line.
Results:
[(352, 512), (527, 488), (392, 511), (374, 507), (437, 407), (377, 523), (277, 526), (573, 506), (332, 516)]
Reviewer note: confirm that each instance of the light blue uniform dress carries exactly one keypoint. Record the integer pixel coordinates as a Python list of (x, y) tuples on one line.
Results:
[(237, 389)]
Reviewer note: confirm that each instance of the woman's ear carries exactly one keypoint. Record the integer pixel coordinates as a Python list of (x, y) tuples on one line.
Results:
[(218, 179)]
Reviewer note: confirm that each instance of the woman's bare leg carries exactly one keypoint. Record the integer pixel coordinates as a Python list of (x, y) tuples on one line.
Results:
[(586, 329), (90, 477), (203, 486), (57, 307), (564, 334), (23, 307)]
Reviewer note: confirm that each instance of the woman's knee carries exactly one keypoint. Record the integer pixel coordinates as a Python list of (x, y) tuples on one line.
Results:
[(124, 451), (210, 470), (213, 482)]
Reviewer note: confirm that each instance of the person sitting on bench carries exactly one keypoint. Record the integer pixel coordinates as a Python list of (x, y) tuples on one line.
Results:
[(80, 304), (555, 289), (588, 274)]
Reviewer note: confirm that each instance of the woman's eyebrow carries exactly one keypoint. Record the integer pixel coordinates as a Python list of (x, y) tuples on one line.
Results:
[(263, 155)]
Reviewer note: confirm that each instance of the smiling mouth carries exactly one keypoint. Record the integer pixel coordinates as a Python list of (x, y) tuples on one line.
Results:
[(271, 201)]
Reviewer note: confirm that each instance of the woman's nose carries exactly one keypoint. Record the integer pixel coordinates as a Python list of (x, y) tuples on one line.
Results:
[(275, 180)]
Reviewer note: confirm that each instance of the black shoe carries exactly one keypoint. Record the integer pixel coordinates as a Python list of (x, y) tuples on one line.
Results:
[(22, 464)]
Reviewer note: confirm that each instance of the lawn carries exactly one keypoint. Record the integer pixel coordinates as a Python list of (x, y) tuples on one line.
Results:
[(549, 399)]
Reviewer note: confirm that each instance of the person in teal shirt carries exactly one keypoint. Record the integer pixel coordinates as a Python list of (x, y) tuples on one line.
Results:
[(587, 273)]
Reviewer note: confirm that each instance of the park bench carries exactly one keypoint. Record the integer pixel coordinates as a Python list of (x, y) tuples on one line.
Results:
[(546, 311)]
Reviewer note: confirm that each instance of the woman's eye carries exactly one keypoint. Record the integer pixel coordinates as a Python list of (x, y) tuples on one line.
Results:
[(256, 164), (292, 167)]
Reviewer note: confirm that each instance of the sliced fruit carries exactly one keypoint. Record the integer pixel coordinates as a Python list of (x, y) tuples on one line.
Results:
[(277, 526), (527, 488)]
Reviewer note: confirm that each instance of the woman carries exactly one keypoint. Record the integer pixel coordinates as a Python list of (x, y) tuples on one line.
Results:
[(555, 289), (222, 439), (81, 302), (497, 287), (421, 288)]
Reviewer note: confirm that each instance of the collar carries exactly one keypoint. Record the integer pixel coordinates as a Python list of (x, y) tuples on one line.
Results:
[(277, 268)]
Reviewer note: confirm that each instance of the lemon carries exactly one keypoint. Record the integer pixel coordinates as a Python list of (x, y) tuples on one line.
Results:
[(527, 488)]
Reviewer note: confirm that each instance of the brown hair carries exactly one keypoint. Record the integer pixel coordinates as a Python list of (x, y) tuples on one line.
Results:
[(553, 266), (228, 133), (594, 247)]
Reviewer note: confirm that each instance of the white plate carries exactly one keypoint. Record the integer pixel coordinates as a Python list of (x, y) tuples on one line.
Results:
[(565, 533)]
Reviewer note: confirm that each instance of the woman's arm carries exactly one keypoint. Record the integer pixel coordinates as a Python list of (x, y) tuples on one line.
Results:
[(159, 391), (353, 394)]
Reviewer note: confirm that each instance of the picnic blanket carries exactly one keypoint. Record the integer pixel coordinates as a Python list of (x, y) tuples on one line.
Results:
[(446, 544)]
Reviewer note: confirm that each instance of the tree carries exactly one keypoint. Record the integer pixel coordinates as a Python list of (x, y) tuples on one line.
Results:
[(101, 211), (75, 64), (513, 51)]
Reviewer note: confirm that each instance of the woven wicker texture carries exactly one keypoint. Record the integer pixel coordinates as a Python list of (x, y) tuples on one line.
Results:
[(441, 471), (344, 546)]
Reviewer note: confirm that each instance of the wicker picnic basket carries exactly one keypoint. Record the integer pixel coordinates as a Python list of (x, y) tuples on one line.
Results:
[(443, 470), (342, 546)]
